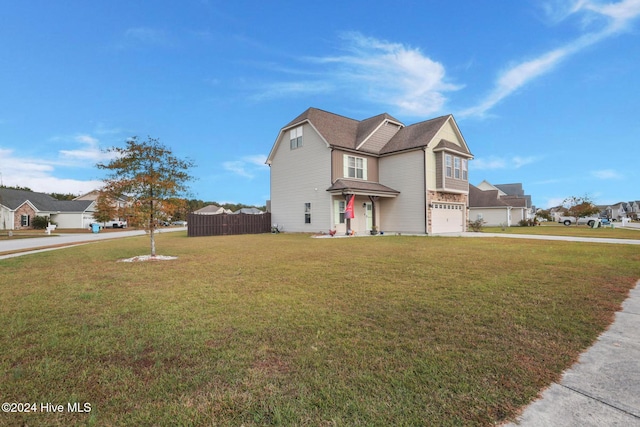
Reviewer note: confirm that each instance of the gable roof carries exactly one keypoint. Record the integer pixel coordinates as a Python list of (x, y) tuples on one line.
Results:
[(511, 189), (13, 199), (484, 198), (343, 132), (414, 136), (209, 209)]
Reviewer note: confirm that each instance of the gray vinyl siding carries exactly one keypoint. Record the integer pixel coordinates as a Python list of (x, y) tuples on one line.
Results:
[(444, 182), (380, 138), (301, 176), (440, 169), (338, 165), (405, 173), (492, 217)]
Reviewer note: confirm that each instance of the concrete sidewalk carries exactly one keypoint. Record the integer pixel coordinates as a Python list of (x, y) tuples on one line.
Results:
[(545, 237), (603, 387), (41, 244)]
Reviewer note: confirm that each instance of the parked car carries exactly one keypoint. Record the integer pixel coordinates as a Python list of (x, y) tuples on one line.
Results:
[(180, 223), (568, 220), (115, 224)]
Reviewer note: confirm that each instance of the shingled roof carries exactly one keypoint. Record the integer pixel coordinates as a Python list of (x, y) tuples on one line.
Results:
[(353, 186), (484, 198), (13, 199), (343, 132)]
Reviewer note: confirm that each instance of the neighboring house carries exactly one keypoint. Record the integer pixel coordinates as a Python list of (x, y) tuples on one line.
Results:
[(120, 203), (19, 207), (211, 210), (633, 209), (556, 212), (494, 207), (623, 210), (403, 179), (515, 193), (250, 211), (617, 211)]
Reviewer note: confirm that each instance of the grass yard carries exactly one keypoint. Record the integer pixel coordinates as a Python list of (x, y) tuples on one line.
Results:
[(289, 330), (572, 230)]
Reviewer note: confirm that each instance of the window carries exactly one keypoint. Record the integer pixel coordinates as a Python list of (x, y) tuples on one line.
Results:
[(355, 167), (456, 167), (24, 220), (465, 175), (307, 213), (339, 206), (295, 137), (447, 158)]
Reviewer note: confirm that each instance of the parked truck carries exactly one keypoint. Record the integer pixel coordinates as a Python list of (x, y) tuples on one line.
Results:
[(115, 223), (588, 220)]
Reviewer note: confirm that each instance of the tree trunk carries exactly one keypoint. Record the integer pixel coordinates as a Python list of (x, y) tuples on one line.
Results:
[(153, 241)]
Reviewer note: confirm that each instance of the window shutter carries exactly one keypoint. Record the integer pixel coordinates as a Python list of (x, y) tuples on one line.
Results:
[(364, 168), (345, 166)]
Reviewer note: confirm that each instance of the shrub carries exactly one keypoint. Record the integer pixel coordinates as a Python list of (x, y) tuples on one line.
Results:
[(476, 225), (40, 222), (528, 222)]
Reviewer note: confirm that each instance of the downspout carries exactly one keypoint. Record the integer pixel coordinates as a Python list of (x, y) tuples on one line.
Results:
[(426, 198)]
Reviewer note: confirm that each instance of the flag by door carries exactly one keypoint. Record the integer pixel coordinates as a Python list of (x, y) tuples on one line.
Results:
[(348, 212)]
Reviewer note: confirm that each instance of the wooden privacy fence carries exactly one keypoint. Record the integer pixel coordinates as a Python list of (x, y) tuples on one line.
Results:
[(228, 224)]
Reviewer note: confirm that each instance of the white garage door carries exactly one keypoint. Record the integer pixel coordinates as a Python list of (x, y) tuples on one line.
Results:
[(447, 218)]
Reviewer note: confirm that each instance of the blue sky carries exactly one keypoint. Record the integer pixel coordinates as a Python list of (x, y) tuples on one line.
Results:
[(545, 92)]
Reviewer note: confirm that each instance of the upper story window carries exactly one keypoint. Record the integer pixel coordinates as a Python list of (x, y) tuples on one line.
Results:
[(295, 137), (456, 167), (355, 167)]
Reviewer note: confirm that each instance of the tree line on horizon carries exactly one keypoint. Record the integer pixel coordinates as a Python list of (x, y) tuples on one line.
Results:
[(190, 205)]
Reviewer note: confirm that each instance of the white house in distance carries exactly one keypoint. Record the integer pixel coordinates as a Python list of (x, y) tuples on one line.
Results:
[(405, 179), (19, 207), (500, 204)]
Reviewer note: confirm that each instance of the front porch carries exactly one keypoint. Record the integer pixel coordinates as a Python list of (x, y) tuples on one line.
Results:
[(363, 199)]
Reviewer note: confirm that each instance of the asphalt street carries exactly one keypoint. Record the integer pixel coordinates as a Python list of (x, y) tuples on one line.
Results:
[(48, 243)]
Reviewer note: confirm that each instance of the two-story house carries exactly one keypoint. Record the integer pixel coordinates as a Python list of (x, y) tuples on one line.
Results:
[(402, 179)]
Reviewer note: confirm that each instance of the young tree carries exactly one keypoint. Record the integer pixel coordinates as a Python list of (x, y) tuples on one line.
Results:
[(579, 207), (105, 209), (150, 176)]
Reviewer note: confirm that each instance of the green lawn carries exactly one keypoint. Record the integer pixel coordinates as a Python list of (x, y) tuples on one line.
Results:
[(289, 330), (573, 230)]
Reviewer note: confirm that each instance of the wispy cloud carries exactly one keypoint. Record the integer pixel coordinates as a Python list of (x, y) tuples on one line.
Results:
[(388, 73), (90, 152), (248, 166), (144, 36), (39, 175), (606, 174), (616, 17), (299, 88), (494, 162)]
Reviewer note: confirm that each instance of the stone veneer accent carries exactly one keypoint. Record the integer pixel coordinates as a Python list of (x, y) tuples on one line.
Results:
[(25, 209), (438, 196)]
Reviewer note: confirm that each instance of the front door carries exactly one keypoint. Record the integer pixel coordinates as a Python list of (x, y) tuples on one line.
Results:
[(368, 214)]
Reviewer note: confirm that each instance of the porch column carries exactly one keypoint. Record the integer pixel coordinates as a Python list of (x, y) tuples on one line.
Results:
[(373, 199), (347, 220)]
